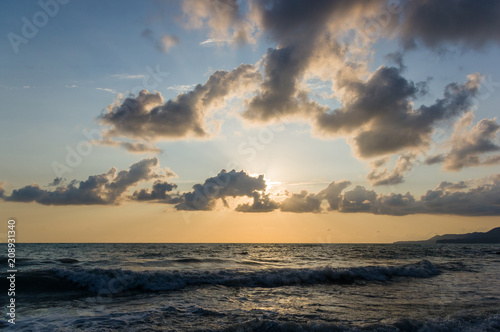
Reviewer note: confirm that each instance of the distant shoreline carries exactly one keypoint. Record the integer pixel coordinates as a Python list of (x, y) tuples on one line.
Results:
[(490, 237)]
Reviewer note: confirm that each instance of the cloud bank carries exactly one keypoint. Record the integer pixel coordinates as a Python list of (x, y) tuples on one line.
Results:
[(103, 189), (465, 198)]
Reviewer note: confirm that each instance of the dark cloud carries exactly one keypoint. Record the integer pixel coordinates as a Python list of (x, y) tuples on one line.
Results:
[(435, 159), (302, 202), (106, 188), (386, 94), (225, 184), (332, 193), (280, 95), (381, 115), (467, 23), (28, 194), (450, 186), (492, 160), (466, 198), (397, 58), (288, 21), (469, 144), (358, 200), (404, 164), (57, 181), (394, 204), (146, 116), (162, 44), (221, 18), (133, 147), (261, 203), (482, 199), (159, 192), (307, 43)]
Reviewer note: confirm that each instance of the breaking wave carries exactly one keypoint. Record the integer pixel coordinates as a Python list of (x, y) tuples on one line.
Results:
[(113, 281)]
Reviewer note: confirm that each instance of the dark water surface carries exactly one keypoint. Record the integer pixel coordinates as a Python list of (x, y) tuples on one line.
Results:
[(256, 287)]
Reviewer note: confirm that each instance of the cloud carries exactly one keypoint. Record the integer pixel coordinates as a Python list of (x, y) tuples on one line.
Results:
[(222, 18), (181, 87), (107, 90), (261, 203), (468, 144), (225, 184), (404, 164), (56, 182), (289, 21), (377, 113), (148, 117), (492, 160), (450, 186), (215, 42), (102, 189), (279, 95), (167, 42), (397, 58), (133, 147), (332, 193), (467, 23), (162, 44), (309, 45), (358, 200), (158, 193), (435, 159), (301, 202), (466, 198), (481, 199), (380, 113), (128, 76)]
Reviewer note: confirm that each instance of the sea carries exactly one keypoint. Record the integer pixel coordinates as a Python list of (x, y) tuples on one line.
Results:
[(255, 287)]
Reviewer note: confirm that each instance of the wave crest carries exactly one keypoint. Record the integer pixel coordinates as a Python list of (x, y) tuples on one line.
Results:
[(116, 280)]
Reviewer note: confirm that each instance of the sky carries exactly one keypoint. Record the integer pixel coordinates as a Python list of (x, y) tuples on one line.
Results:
[(249, 121)]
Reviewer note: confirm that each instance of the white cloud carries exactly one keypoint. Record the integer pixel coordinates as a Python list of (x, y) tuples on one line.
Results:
[(128, 76), (107, 90)]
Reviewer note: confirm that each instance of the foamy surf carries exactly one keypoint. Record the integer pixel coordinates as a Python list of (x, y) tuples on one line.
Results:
[(116, 280)]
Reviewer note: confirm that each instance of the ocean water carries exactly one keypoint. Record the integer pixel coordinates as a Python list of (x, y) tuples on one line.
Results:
[(256, 287)]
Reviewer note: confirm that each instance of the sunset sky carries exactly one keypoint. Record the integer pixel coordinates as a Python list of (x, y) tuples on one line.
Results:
[(249, 121)]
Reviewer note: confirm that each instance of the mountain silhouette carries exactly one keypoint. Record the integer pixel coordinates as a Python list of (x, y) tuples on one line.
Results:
[(492, 236)]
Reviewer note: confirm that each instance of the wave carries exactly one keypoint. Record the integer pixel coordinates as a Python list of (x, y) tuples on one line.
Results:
[(456, 323), (178, 319), (182, 260), (67, 260), (113, 281)]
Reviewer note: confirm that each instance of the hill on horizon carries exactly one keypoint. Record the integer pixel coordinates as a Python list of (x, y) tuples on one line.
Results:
[(492, 236)]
